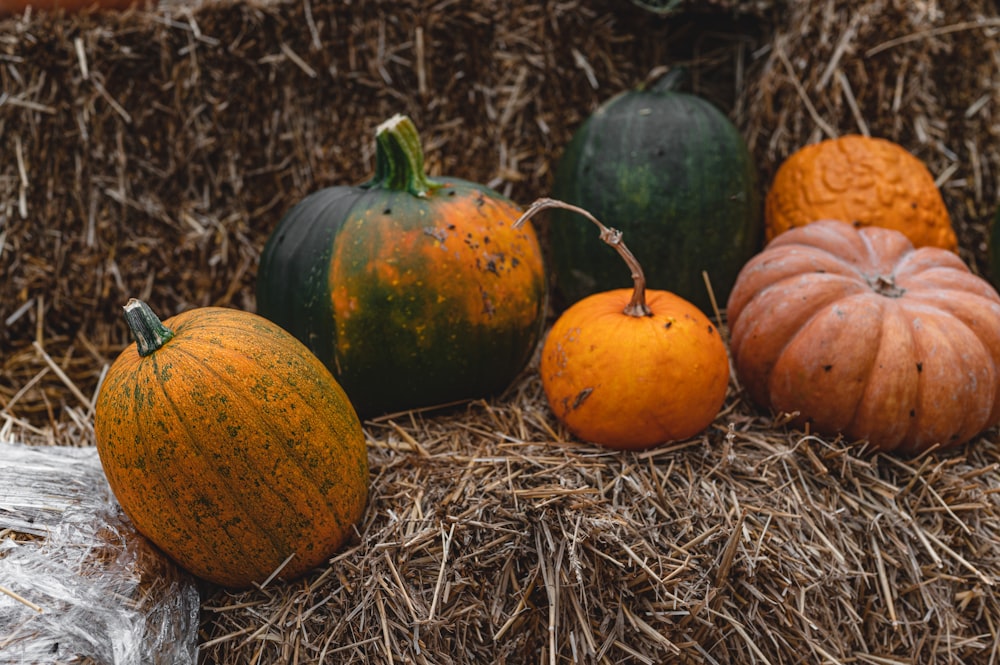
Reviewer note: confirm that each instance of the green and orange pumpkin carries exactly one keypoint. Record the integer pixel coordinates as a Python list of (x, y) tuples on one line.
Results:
[(414, 291), (230, 446)]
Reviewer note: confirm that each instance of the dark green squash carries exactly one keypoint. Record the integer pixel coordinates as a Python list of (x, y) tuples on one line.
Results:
[(413, 291), (993, 250), (674, 175)]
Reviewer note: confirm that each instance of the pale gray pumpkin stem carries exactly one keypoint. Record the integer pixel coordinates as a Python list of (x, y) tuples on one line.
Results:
[(149, 332)]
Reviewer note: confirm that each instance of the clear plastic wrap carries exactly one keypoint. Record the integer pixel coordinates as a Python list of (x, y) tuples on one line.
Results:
[(77, 582)]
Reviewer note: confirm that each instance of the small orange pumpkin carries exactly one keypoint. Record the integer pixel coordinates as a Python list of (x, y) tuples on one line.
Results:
[(861, 180), (857, 332), (630, 368), (230, 446)]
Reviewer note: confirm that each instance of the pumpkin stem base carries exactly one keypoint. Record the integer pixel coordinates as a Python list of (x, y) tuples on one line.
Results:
[(885, 286), (149, 332), (399, 159)]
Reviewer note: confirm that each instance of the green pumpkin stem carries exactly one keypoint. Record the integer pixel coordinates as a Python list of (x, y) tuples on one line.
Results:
[(665, 79), (149, 332), (637, 305), (399, 158)]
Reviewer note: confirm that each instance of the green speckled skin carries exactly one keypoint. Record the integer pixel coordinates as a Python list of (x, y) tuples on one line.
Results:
[(993, 250), (232, 447)]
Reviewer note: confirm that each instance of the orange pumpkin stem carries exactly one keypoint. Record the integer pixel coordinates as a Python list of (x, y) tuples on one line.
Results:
[(637, 304), (149, 332)]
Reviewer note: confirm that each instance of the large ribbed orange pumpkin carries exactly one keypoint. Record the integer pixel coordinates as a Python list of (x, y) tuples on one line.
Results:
[(230, 446), (862, 180), (857, 332)]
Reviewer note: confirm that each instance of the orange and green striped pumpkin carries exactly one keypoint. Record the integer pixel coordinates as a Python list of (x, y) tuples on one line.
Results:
[(414, 291), (230, 446)]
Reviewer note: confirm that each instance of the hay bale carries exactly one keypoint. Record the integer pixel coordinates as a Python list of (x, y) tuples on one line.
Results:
[(491, 535), (923, 75), (150, 153)]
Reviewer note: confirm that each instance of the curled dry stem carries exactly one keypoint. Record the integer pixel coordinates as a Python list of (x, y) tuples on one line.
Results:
[(637, 305)]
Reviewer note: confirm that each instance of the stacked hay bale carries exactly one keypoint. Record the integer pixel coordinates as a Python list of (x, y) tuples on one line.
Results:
[(150, 153)]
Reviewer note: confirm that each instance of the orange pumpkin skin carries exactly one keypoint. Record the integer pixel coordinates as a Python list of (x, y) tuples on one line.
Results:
[(632, 382), (861, 180), (232, 448), (862, 334)]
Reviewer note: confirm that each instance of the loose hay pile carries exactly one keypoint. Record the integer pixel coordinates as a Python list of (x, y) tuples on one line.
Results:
[(491, 536), (494, 538)]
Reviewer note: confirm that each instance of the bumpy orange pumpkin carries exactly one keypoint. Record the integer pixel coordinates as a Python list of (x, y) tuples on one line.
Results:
[(863, 181), (230, 446), (630, 368), (857, 332)]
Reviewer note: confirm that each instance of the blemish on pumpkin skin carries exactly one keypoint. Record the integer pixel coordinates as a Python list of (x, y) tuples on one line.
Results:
[(920, 367), (580, 398), (827, 368), (438, 234), (488, 309)]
